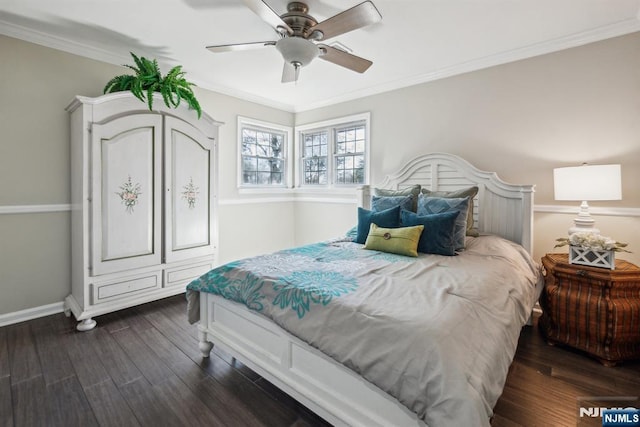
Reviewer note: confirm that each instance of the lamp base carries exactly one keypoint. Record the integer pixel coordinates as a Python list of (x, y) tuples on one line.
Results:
[(580, 229), (584, 223)]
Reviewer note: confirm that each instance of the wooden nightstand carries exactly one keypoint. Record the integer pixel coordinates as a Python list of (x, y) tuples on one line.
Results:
[(592, 309)]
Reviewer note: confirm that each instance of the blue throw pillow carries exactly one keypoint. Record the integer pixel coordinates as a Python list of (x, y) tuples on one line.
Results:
[(389, 218), (381, 203), (434, 205), (438, 235)]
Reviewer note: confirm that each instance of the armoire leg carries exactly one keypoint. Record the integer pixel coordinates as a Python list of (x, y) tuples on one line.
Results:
[(86, 325)]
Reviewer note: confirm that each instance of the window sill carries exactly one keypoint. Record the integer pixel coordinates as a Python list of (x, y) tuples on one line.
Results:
[(265, 190)]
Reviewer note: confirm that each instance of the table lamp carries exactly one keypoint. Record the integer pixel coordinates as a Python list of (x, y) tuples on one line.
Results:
[(587, 183)]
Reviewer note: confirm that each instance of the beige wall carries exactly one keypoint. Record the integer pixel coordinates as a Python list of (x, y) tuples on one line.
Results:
[(37, 84), (521, 119)]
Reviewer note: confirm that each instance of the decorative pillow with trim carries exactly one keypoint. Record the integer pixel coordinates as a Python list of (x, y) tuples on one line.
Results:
[(414, 191), (381, 203), (439, 231), (389, 218), (469, 192), (436, 205), (400, 241)]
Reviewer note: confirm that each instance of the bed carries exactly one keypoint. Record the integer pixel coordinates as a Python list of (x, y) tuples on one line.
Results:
[(371, 338)]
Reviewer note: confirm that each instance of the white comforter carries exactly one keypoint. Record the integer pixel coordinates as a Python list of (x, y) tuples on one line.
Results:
[(438, 333)]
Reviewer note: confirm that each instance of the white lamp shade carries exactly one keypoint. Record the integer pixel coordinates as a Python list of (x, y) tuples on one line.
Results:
[(588, 182)]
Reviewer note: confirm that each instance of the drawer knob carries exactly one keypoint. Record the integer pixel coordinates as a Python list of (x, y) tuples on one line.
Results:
[(582, 273)]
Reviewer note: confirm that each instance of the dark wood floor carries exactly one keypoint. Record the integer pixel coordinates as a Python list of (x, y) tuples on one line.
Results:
[(142, 367)]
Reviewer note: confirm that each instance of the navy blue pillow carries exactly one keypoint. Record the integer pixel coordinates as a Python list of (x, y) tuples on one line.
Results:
[(389, 218), (438, 236), (436, 205)]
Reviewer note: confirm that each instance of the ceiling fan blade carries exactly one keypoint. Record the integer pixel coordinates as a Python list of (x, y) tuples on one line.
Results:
[(344, 59), (239, 46), (290, 73), (358, 16), (268, 15)]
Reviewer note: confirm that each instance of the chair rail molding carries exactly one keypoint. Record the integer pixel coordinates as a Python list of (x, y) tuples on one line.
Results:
[(30, 209), (604, 211)]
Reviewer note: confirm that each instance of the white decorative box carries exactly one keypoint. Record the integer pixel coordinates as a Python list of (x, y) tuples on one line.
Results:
[(593, 258)]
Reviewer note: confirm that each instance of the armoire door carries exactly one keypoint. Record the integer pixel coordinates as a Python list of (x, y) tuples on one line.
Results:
[(126, 193), (189, 204)]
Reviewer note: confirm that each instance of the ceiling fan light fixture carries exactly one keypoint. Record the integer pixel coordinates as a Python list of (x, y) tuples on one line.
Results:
[(297, 51)]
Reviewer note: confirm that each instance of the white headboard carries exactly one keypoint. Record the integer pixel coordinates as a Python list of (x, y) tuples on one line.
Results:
[(499, 208)]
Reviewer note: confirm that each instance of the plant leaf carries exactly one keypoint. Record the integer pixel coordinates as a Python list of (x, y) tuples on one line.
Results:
[(148, 79)]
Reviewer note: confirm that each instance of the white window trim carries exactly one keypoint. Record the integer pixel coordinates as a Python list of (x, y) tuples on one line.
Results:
[(288, 161), (337, 122)]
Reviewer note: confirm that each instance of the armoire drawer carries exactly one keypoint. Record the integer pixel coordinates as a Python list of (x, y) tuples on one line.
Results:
[(124, 287), (184, 274)]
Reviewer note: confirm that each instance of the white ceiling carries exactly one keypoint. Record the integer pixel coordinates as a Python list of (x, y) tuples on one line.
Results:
[(416, 41)]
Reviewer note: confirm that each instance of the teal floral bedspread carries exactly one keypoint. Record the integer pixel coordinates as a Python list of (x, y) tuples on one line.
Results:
[(297, 279)]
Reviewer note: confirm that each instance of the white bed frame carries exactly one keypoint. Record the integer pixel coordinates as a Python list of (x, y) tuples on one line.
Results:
[(325, 386)]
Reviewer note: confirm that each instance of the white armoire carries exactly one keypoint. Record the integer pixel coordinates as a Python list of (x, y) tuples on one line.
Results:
[(144, 202)]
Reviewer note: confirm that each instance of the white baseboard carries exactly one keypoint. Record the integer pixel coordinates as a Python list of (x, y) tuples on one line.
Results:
[(31, 313)]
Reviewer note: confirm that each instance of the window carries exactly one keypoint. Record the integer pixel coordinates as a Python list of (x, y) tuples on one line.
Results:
[(335, 152), (315, 158), (263, 154)]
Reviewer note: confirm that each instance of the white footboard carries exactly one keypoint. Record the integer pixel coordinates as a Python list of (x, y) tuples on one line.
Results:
[(320, 383)]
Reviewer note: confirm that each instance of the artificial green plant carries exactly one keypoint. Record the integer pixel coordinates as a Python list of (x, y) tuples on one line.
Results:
[(148, 79)]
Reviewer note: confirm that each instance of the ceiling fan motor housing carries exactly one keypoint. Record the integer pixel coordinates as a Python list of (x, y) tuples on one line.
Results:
[(298, 20)]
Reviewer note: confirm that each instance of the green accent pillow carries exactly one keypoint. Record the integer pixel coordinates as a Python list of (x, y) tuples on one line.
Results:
[(469, 192), (401, 241)]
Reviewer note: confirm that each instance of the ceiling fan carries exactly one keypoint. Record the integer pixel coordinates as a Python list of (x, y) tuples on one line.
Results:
[(300, 36)]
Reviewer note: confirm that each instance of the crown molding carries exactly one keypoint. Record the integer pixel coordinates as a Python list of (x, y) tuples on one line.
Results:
[(618, 29), (621, 28), (47, 40)]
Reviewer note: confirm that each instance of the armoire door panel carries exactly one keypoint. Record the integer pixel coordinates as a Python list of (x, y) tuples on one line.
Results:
[(126, 198), (188, 206)]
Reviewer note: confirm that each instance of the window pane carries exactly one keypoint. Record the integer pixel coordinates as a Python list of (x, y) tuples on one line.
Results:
[(348, 162), (276, 166), (276, 146), (350, 169), (248, 178), (264, 165), (248, 163), (264, 178), (263, 157)]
